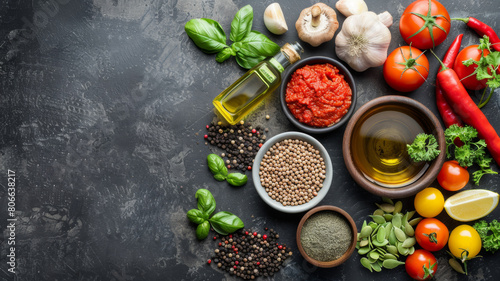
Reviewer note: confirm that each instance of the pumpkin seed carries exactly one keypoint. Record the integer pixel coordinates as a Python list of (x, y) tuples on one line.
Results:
[(456, 265), (415, 221), (363, 243), (411, 250), (373, 225), (409, 242), (374, 255), (366, 263), (386, 207), (380, 244), (381, 251), (387, 200), (364, 250), (365, 232), (396, 220), (392, 237), (376, 267), (400, 235), (398, 207), (378, 219), (410, 214), (392, 249), (381, 234), (390, 264), (378, 212), (388, 217), (409, 229), (390, 256), (402, 250), (388, 228)]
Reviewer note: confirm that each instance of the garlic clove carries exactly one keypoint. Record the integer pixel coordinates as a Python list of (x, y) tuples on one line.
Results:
[(351, 7), (274, 19), (385, 18)]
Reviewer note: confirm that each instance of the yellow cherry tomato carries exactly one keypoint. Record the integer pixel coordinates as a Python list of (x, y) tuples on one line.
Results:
[(429, 202), (464, 242)]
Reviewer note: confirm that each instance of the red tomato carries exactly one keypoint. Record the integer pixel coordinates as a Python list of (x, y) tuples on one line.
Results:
[(410, 24), (421, 265), (469, 52), (452, 176), (406, 69), (431, 234)]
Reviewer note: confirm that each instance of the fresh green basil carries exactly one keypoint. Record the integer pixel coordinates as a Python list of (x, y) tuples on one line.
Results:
[(224, 54), (202, 230), (241, 24), (248, 61), (237, 179), (257, 44), (207, 34), (196, 216), (217, 166), (225, 223), (206, 201)]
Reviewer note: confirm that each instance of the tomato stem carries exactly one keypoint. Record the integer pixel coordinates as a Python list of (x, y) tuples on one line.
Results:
[(411, 63), (429, 23)]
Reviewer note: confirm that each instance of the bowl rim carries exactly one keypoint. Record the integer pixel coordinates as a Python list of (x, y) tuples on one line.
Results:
[(349, 251), (326, 183), (311, 61), (405, 191)]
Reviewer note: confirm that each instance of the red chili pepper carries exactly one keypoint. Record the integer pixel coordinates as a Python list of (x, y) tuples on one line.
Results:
[(449, 116), (482, 29), (464, 106)]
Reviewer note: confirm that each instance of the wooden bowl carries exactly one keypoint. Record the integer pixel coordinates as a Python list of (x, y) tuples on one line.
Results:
[(430, 124), (349, 251)]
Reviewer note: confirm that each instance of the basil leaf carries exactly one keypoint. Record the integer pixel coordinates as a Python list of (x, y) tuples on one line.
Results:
[(206, 201), (202, 230), (241, 24), (217, 166), (225, 223), (224, 54), (257, 44), (237, 179), (219, 177), (207, 34), (196, 216), (248, 62)]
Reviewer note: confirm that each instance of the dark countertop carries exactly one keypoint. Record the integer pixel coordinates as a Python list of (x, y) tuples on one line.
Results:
[(103, 111)]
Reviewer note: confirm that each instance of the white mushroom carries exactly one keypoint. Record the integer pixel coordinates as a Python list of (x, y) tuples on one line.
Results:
[(317, 24)]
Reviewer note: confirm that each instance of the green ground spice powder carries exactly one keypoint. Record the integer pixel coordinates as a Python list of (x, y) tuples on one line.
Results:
[(326, 236)]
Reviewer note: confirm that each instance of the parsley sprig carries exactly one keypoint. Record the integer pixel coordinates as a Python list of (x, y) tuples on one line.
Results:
[(490, 234), (486, 68)]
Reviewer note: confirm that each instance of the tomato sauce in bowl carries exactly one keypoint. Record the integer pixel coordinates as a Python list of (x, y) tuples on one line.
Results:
[(318, 95)]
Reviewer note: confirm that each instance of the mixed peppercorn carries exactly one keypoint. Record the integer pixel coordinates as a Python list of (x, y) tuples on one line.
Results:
[(240, 142), (248, 254)]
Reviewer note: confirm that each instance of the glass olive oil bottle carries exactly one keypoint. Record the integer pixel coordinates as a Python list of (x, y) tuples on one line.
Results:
[(239, 99)]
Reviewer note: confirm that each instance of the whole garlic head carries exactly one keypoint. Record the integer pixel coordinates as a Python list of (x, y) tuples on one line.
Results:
[(363, 41)]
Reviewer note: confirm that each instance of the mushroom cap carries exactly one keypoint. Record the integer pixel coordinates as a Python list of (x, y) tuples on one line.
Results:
[(323, 32)]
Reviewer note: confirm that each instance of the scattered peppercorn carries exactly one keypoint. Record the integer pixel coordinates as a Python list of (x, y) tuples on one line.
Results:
[(257, 256), (240, 143)]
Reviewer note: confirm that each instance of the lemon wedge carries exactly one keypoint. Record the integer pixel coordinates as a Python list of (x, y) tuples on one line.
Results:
[(469, 205)]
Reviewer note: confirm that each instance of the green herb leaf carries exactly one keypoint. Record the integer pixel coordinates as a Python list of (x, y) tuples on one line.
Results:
[(225, 223), (206, 201), (217, 166), (202, 230), (196, 216), (490, 234), (207, 34), (237, 179), (247, 62), (423, 148), (241, 24), (224, 55), (257, 44)]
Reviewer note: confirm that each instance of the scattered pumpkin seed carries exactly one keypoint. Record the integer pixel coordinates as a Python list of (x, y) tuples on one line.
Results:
[(392, 249), (381, 234), (386, 207), (398, 207), (387, 200), (378, 212), (364, 250), (366, 263), (396, 220), (363, 243), (390, 256), (392, 237), (374, 255), (411, 250), (388, 217), (415, 221), (365, 232), (409, 242), (409, 231), (380, 244), (400, 235), (390, 264), (376, 267), (378, 219)]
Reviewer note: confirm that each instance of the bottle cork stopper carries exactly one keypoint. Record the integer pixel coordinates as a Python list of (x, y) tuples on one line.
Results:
[(291, 52)]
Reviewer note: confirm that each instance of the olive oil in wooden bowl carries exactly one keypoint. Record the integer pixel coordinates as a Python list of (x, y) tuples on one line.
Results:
[(374, 146)]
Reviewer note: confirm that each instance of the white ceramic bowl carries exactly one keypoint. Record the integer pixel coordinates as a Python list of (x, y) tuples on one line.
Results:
[(261, 190)]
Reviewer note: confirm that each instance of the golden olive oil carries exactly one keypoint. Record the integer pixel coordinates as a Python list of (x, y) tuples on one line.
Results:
[(378, 145)]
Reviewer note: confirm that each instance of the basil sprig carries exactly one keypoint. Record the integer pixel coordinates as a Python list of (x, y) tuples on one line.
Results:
[(218, 168), (249, 46), (222, 222)]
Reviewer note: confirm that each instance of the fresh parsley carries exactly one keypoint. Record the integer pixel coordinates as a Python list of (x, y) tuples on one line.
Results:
[(490, 234), (423, 148)]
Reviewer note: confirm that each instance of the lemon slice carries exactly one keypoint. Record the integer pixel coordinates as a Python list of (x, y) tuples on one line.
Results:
[(469, 205)]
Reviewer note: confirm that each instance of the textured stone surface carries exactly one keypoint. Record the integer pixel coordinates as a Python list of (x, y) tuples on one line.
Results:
[(103, 111)]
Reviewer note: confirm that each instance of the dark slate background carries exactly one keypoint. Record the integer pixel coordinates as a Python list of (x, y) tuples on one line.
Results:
[(103, 111)]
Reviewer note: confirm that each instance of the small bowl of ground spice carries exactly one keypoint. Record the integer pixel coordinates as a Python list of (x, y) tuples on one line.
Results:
[(318, 94), (326, 236), (292, 172)]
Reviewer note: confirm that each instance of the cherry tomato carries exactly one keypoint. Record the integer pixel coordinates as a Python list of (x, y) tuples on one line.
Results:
[(465, 242), (406, 69), (410, 24), (469, 52), (452, 176), (421, 265), (431, 234), (429, 202)]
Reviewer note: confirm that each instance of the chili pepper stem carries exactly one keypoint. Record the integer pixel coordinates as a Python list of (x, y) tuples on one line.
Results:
[(443, 66), (481, 103), (466, 20)]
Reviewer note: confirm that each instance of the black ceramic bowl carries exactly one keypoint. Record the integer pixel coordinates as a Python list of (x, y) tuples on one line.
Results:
[(312, 61)]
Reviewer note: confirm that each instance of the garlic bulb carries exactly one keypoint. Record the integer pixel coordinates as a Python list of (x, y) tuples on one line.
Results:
[(351, 7), (274, 19), (363, 41)]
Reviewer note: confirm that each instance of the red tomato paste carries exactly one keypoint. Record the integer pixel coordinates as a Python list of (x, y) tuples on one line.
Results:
[(317, 95)]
